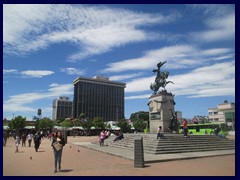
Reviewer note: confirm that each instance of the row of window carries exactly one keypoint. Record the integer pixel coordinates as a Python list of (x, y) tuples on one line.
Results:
[(98, 100)]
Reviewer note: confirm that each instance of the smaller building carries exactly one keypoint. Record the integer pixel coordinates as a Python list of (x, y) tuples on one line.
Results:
[(223, 113), (62, 108), (179, 115)]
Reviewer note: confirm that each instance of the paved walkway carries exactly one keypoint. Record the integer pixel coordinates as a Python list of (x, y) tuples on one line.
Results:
[(82, 158)]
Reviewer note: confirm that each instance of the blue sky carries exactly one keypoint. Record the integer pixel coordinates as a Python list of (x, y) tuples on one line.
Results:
[(46, 47)]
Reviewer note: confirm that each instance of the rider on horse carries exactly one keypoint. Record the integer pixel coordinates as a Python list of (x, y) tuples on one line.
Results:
[(160, 80)]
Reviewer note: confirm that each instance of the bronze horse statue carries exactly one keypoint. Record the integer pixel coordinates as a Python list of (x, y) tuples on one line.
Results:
[(161, 78)]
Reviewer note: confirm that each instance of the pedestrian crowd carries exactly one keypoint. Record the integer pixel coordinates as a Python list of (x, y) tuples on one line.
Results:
[(104, 134), (36, 138)]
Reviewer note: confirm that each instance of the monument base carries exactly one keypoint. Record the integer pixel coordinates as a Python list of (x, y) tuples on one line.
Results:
[(160, 107)]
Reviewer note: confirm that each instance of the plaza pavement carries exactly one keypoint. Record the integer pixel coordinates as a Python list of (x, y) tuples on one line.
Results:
[(82, 158)]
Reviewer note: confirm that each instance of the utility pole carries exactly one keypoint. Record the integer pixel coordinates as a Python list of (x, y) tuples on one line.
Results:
[(117, 113)]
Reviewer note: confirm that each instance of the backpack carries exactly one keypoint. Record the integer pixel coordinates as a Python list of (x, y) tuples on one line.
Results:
[(36, 137)]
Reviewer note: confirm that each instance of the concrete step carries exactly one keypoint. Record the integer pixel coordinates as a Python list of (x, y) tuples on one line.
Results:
[(173, 143)]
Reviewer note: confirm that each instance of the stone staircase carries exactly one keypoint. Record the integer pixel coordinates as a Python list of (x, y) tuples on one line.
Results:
[(173, 143)]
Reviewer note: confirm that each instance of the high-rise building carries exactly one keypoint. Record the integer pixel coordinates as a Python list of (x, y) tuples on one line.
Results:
[(98, 97), (62, 108)]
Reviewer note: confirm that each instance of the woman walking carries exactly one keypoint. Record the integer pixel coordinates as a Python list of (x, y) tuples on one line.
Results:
[(185, 128), (57, 144), (17, 142)]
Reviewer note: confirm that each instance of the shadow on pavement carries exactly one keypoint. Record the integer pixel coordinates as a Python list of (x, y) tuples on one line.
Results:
[(40, 151), (146, 166), (66, 170), (20, 152)]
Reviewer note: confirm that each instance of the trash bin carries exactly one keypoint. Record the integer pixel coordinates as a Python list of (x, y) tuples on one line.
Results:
[(138, 153)]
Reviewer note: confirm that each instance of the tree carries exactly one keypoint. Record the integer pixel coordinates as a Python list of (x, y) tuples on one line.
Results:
[(140, 115), (124, 126), (82, 116), (76, 122), (59, 121), (44, 123), (36, 124), (18, 123), (98, 123), (87, 125), (143, 115), (66, 123), (139, 125)]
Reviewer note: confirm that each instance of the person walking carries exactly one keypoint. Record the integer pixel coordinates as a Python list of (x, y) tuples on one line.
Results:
[(17, 142), (29, 138), (24, 138), (5, 137), (101, 138), (185, 128), (57, 144), (37, 141)]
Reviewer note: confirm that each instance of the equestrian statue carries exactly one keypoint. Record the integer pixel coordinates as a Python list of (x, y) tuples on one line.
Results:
[(161, 78)]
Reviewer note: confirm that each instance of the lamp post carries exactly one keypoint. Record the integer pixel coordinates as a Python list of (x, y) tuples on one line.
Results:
[(117, 113), (233, 123)]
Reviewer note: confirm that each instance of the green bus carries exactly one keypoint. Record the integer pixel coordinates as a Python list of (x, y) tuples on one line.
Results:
[(207, 128)]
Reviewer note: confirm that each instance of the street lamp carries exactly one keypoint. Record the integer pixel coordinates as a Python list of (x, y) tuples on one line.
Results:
[(233, 123), (117, 113)]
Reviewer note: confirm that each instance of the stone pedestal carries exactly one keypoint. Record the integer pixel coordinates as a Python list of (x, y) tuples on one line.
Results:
[(159, 111)]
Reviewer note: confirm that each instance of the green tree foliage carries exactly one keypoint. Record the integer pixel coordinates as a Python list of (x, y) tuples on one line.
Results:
[(17, 123), (44, 123), (82, 116), (76, 122), (59, 121), (87, 124), (140, 125), (124, 126), (98, 123), (140, 115), (66, 123), (143, 115), (36, 124)]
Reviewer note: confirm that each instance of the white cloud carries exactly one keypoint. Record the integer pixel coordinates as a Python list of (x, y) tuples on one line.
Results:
[(123, 77), (214, 80), (139, 84), (73, 71), (144, 96), (36, 73), (53, 85), (7, 71), (61, 89), (151, 58), (219, 21), (177, 57), (216, 51), (22, 102), (93, 29)]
